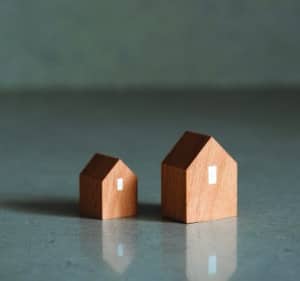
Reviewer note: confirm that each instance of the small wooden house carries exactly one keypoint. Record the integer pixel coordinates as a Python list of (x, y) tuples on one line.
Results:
[(108, 189), (199, 180)]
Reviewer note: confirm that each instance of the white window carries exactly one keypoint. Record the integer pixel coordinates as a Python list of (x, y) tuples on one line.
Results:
[(212, 174), (120, 184), (212, 265), (120, 250)]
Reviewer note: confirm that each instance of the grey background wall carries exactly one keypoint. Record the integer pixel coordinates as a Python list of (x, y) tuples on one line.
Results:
[(138, 42)]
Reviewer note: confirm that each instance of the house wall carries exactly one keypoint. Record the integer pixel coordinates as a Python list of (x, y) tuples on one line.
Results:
[(207, 201), (119, 203), (90, 197), (173, 193)]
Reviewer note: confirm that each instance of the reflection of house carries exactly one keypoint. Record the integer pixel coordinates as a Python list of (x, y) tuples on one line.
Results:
[(199, 180), (109, 245), (211, 250), (119, 244), (208, 251)]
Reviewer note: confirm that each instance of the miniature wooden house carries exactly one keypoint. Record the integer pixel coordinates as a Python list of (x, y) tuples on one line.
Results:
[(108, 189), (199, 180)]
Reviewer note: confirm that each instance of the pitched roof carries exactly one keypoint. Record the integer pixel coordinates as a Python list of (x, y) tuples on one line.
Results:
[(186, 149), (99, 166)]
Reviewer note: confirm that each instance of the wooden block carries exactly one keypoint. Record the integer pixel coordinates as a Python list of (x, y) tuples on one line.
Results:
[(108, 189), (199, 180)]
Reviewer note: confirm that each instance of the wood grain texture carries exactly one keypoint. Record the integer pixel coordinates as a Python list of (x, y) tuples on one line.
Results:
[(211, 201), (115, 203), (186, 149), (187, 195), (99, 195), (90, 197), (99, 166), (173, 194)]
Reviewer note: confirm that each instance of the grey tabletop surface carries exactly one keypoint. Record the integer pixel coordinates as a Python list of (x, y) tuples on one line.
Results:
[(47, 138)]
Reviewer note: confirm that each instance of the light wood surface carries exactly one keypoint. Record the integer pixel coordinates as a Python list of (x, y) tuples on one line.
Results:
[(99, 194), (115, 203), (211, 201), (187, 195)]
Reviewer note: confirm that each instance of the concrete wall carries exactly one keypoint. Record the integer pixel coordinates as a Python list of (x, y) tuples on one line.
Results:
[(77, 43)]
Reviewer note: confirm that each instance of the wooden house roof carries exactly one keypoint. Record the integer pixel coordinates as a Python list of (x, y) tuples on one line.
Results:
[(186, 149), (99, 166)]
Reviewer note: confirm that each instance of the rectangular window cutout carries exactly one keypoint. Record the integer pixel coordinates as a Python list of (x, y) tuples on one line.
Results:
[(212, 265), (212, 174), (120, 250), (120, 184)]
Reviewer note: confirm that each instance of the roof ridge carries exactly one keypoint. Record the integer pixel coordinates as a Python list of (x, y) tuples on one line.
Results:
[(186, 149), (99, 166)]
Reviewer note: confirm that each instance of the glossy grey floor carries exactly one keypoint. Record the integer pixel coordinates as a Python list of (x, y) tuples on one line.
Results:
[(46, 139)]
